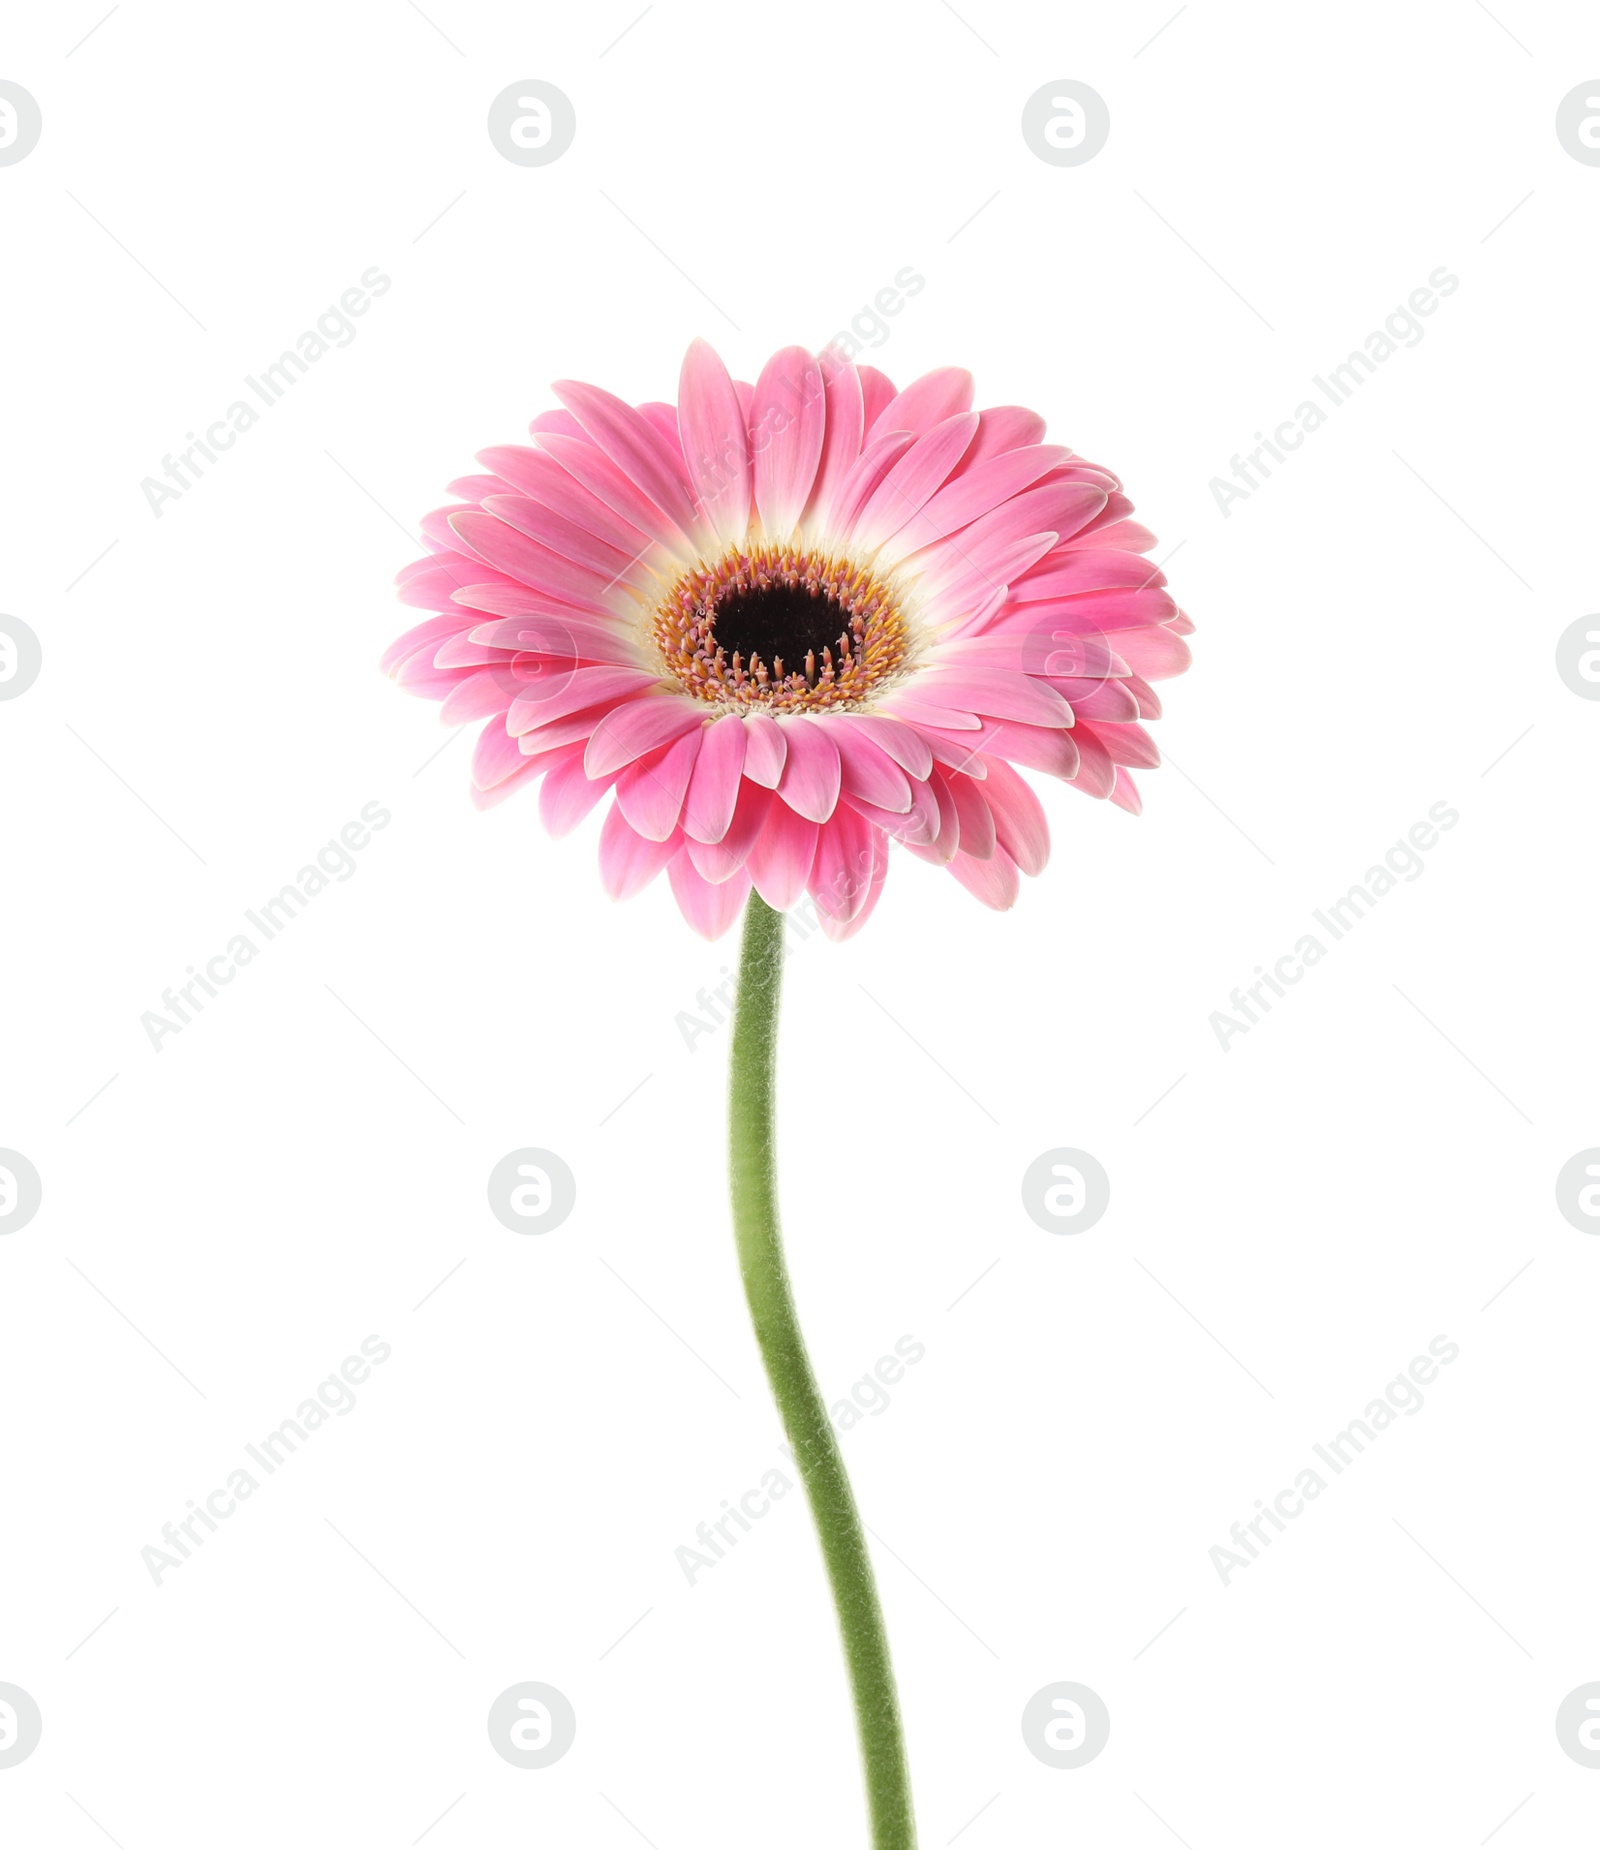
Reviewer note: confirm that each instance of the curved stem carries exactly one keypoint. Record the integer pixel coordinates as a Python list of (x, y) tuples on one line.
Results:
[(753, 1177)]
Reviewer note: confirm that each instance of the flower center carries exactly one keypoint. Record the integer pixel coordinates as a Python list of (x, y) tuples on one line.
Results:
[(781, 627)]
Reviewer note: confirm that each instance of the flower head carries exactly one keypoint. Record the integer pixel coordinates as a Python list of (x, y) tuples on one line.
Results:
[(782, 626)]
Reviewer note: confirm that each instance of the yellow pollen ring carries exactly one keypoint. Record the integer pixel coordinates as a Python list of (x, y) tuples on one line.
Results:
[(873, 642)]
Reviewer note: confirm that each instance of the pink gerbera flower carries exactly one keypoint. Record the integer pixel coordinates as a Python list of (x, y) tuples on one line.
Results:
[(783, 626)]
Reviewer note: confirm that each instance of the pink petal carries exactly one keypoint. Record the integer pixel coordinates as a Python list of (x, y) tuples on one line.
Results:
[(476, 696), (780, 861), (461, 651), (650, 792), (811, 771), (904, 744), (787, 416), (613, 486), (716, 446), (567, 794), (1096, 775), (565, 537), (1093, 468), (505, 597), (867, 769), (575, 729), (635, 446), (423, 640), (1037, 747), (913, 480), (977, 823), (1124, 535), (1113, 514), (1093, 568), (709, 907), (1058, 507), (519, 557), (663, 419), (1112, 701), (714, 791), (1122, 609), (1157, 653), (434, 588), (916, 827), (1145, 694), (637, 726), (994, 881), (1128, 744), (1020, 826), (541, 478), (562, 423), (475, 487), (1039, 645), (628, 861), (721, 860), (971, 494), (438, 534), (421, 674), (948, 840), (570, 637), (996, 694), (925, 402), (841, 874), (1126, 794), (840, 929), (496, 756), (564, 689), (964, 572), (905, 704), (765, 749), (843, 429), (1000, 428), (878, 392), (864, 477), (496, 794), (438, 538)]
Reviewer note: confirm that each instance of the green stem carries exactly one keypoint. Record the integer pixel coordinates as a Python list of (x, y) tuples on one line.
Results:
[(754, 1179)]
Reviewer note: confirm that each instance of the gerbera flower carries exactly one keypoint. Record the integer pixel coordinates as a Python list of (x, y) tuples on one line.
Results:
[(780, 627)]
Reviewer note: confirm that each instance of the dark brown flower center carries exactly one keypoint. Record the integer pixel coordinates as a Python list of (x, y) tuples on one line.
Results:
[(781, 628)]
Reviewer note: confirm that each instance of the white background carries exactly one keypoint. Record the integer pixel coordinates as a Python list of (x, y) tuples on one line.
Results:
[(1362, 1171)]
